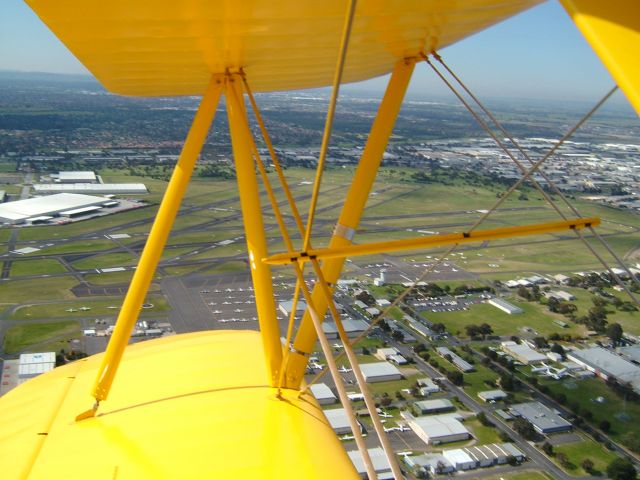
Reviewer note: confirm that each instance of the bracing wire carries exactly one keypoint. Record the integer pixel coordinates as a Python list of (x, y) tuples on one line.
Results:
[(326, 136), (522, 168)]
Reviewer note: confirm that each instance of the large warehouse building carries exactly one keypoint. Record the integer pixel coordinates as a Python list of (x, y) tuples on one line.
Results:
[(543, 419), (61, 204), (607, 364), (380, 372), (339, 421), (435, 429), (75, 177), (91, 188), (378, 459), (323, 394)]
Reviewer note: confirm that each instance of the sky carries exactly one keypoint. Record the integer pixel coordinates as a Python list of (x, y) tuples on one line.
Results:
[(538, 54)]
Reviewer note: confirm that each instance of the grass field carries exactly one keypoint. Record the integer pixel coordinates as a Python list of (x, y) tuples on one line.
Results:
[(475, 382), (36, 290), (20, 337), (106, 260), (482, 434), (535, 316), (624, 417), (587, 448), (99, 307), (36, 267)]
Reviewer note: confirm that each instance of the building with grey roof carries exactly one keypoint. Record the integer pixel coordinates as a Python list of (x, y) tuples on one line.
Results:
[(492, 395), (436, 429), (378, 459), (75, 177), (427, 386), (560, 295), (460, 459), (351, 326), (380, 372), (522, 353), (458, 361), (434, 463), (543, 419), (33, 364), (505, 306), (286, 306), (91, 188), (22, 211), (439, 405), (631, 353), (323, 394), (482, 455), (338, 420), (607, 364)]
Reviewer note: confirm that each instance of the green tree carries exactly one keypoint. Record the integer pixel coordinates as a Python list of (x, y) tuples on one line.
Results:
[(587, 465), (485, 329), (621, 469), (524, 428), (614, 332)]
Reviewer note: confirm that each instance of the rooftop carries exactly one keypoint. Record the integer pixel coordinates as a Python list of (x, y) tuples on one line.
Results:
[(608, 363), (37, 206), (378, 369), (541, 416)]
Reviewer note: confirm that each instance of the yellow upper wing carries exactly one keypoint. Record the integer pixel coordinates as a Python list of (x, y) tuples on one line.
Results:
[(171, 47)]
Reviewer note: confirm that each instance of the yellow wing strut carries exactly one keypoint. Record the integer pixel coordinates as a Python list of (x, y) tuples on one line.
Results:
[(430, 241), (156, 242)]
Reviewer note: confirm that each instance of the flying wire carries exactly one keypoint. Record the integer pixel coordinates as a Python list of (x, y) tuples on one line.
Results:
[(326, 136), (536, 184)]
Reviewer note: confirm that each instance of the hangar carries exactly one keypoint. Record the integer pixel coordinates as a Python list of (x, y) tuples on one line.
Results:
[(22, 211)]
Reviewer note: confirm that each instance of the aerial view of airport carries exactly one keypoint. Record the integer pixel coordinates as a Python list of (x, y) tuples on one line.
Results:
[(515, 356), (518, 355)]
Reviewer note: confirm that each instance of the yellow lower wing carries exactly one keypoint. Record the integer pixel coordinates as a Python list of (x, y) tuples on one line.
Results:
[(189, 406)]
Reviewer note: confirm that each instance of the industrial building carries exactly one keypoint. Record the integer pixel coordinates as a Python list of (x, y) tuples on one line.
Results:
[(34, 364), (607, 364), (543, 419), (61, 204), (560, 295), (491, 396), (482, 456), (380, 372), (351, 326), (379, 461), (392, 354), (436, 429), (458, 361), (92, 188), (427, 386), (323, 394), (75, 177), (631, 353), (433, 463), (286, 307), (522, 353), (440, 405), (505, 306), (338, 420), (460, 459)]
